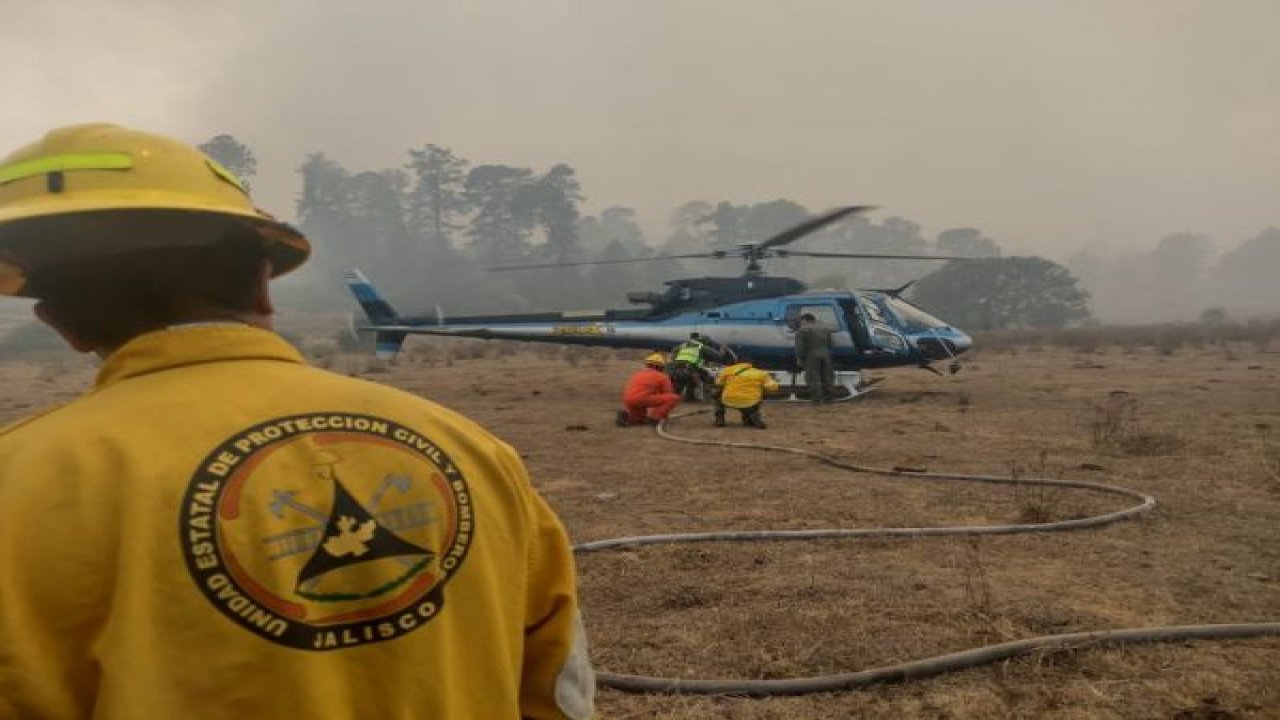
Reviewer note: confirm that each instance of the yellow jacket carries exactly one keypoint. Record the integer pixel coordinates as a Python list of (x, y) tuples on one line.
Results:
[(219, 531), (744, 385)]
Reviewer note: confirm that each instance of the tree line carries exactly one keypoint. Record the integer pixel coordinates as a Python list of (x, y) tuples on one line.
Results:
[(427, 231)]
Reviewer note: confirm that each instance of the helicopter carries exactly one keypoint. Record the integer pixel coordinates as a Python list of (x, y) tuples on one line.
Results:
[(754, 314)]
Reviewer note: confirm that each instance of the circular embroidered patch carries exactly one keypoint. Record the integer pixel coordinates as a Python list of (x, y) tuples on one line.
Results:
[(326, 530)]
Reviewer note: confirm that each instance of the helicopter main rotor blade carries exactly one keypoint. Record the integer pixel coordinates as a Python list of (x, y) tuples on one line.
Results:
[(808, 226), (503, 268), (866, 256)]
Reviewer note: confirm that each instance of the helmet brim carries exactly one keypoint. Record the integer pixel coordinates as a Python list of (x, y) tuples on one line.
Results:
[(33, 242)]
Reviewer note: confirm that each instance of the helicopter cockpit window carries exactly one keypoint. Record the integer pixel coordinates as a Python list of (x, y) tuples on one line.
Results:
[(873, 310), (888, 340), (824, 314), (913, 318)]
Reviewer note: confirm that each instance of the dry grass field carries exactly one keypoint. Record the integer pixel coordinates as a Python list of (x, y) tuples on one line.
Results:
[(1197, 428)]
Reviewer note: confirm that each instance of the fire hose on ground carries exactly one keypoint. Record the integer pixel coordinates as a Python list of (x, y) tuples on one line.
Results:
[(925, 667)]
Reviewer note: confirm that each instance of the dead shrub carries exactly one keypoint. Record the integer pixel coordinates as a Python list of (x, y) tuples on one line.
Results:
[(1151, 444), (474, 350), (1036, 503), (978, 602), (1115, 428), (546, 351), (1115, 419), (1085, 341), (426, 354), (504, 350), (687, 597), (1268, 454)]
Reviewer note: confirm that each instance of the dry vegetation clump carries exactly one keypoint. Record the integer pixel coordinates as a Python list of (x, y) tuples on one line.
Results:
[(469, 349), (1116, 429), (576, 355), (427, 354), (572, 356), (548, 351), (504, 349), (1268, 454), (1042, 503)]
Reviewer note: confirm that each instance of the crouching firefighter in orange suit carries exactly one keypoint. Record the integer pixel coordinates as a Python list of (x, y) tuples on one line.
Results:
[(649, 396)]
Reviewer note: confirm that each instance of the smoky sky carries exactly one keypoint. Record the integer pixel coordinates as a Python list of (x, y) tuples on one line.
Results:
[(1055, 126)]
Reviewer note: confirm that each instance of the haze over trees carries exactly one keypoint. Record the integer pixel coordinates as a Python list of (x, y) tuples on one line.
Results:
[(1001, 293), (426, 230), (1181, 276)]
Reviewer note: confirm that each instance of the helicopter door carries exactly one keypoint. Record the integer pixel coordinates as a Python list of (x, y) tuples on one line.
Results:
[(857, 324), (827, 314)]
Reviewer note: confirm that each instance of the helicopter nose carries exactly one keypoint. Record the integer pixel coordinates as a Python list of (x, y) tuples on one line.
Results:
[(960, 341)]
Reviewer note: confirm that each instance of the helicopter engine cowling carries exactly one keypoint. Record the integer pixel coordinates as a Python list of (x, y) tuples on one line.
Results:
[(644, 297)]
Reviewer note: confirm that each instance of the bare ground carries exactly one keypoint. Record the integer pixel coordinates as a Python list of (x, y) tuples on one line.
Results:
[(1199, 429)]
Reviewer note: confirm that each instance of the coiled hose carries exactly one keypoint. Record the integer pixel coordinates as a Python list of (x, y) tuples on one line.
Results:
[(924, 667)]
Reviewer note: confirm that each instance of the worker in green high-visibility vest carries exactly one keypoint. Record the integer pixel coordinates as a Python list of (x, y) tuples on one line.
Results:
[(688, 372)]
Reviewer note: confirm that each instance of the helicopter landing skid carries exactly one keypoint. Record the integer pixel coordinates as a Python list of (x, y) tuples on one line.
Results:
[(849, 385)]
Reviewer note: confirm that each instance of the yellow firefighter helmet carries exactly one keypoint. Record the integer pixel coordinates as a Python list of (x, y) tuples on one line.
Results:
[(656, 359), (90, 191)]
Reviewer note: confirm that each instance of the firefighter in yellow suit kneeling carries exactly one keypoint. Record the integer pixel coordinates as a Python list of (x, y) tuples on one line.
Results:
[(219, 531), (742, 387)]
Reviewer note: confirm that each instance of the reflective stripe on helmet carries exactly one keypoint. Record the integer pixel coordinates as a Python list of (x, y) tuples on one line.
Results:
[(60, 163), (227, 175)]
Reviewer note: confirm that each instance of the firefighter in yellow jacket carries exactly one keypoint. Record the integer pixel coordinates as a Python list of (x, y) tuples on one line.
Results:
[(217, 530), (742, 387)]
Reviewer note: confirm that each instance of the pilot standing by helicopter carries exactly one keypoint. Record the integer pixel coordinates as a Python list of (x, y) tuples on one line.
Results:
[(687, 370), (813, 352)]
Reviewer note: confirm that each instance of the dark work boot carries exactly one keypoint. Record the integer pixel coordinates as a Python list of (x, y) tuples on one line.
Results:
[(621, 419), (719, 422)]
